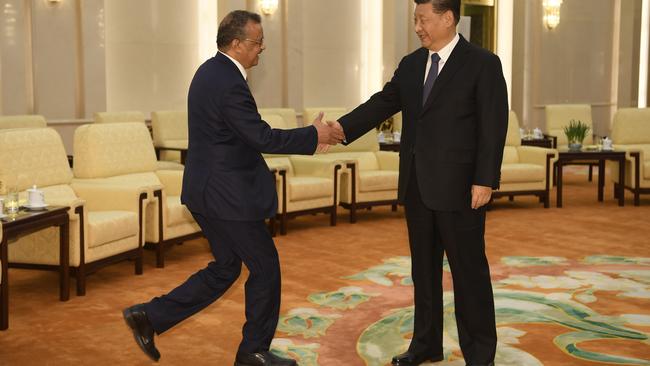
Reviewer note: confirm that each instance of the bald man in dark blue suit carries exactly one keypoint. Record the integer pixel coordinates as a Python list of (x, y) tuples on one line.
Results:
[(230, 191)]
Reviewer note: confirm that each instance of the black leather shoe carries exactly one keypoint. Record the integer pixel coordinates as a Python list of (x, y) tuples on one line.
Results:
[(136, 319), (412, 359), (266, 358), (473, 364)]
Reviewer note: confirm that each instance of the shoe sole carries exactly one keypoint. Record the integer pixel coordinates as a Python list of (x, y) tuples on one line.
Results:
[(128, 318), (432, 359)]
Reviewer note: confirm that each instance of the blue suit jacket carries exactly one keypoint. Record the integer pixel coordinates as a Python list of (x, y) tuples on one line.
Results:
[(226, 176)]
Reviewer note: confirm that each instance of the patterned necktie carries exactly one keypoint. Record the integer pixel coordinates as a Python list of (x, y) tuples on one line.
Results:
[(431, 77)]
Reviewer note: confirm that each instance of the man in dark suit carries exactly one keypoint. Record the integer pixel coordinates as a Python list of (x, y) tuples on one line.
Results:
[(454, 105), (230, 191)]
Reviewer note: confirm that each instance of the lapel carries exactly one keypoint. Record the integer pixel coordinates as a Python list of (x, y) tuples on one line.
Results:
[(453, 64), (420, 64)]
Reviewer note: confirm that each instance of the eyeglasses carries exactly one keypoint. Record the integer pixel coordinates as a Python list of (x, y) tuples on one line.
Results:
[(261, 43)]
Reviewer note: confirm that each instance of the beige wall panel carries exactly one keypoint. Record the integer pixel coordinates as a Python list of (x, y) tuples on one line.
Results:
[(54, 39), (151, 53), (267, 79), (94, 57), (331, 54), (15, 95)]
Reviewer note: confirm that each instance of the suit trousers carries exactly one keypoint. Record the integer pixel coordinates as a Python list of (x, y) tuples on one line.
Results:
[(231, 243), (459, 234)]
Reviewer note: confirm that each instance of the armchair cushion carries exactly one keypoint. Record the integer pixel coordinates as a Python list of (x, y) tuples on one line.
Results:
[(559, 115), (510, 155), (104, 151), (22, 121), (521, 173), (282, 118), (39, 156), (631, 126), (304, 187), (119, 117), (108, 226), (378, 180), (169, 126)]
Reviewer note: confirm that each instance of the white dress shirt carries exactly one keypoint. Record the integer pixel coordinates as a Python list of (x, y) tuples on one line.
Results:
[(444, 54), (239, 66)]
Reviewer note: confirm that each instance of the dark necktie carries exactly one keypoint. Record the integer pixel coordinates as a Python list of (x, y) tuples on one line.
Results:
[(431, 77)]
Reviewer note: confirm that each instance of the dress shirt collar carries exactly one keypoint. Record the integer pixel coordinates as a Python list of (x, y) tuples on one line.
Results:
[(239, 66), (445, 52)]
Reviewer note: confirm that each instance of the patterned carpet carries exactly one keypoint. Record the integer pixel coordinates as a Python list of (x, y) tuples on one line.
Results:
[(572, 287)]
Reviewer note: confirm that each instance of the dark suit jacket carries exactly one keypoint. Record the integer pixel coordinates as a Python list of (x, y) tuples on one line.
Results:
[(457, 137), (226, 176)]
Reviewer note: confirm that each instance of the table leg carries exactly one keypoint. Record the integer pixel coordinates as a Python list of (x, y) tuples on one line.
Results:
[(4, 286), (621, 179), (601, 179), (559, 184), (64, 258)]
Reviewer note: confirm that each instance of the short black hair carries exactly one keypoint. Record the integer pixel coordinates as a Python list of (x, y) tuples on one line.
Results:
[(441, 6), (233, 26)]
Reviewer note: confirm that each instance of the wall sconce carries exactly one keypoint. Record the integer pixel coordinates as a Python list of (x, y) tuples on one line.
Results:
[(552, 13), (268, 7), (54, 2)]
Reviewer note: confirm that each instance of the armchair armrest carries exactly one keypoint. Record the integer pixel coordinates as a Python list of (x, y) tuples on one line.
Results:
[(388, 160), (172, 180), (110, 197), (307, 165)]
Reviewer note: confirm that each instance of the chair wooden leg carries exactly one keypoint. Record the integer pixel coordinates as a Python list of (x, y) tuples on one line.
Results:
[(283, 224), (511, 198), (81, 280), (393, 207), (615, 191), (353, 213), (138, 261), (160, 254), (591, 172), (637, 197), (547, 201), (333, 216)]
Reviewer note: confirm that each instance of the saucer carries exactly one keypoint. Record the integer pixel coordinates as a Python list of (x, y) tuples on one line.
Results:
[(35, 207)]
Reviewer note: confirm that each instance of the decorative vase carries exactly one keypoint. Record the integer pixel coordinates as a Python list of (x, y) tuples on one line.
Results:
[(575, 146)]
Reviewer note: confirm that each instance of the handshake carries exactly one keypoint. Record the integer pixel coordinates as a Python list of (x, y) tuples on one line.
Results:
[(329, 133)]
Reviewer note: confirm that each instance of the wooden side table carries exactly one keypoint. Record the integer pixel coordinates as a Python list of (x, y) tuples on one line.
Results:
[(545, 142), (567, 157), (27, 222), (389, 146)]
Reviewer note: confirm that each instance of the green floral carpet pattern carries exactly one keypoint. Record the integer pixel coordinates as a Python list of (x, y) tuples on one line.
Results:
[(376, 309)]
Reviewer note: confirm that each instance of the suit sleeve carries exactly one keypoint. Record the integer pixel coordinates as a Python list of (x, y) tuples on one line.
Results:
[(377, 109), (240, 114), (492, 114)]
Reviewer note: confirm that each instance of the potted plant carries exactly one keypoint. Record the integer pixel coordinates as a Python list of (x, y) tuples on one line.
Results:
[(575, 133)]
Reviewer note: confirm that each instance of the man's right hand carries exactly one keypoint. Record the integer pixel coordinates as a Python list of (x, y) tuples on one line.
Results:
[(329, 134)]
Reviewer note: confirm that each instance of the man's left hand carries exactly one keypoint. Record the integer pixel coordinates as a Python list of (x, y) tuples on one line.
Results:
[(480, 196)]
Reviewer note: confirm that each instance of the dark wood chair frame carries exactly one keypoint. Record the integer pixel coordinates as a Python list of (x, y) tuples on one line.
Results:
[(283, 216), (353, 206), (636, 190)]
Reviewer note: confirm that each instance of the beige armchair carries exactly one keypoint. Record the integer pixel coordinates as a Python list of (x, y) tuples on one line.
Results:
[(558, 116), (170, 136), (306, 186), (105, 227), (119, 117), (130, 117), (525, 170), (631, 133), (121, 154), (22, 121), (282, 118), (370, 176)]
